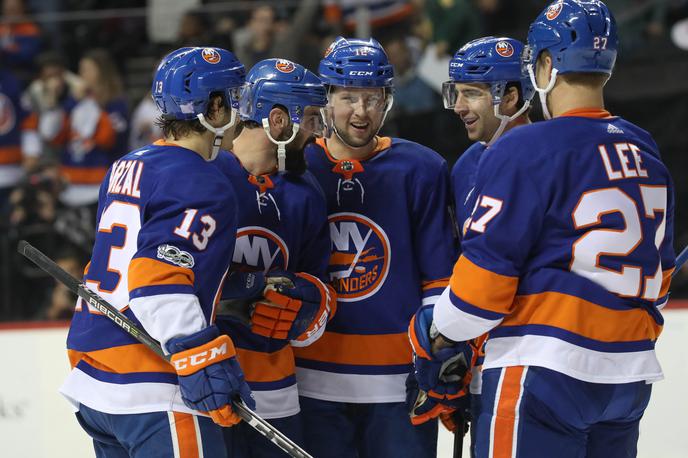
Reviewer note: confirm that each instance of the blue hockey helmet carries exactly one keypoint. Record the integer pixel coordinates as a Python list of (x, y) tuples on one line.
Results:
[(186, 77), (581, 37), (579, 34), (282, 82), (356, 63), (495, 61)]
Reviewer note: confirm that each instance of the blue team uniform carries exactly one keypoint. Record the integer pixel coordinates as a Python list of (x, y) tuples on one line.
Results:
[(282, 224), (392, 247), (12, 117), (165, 233), (566, 261)]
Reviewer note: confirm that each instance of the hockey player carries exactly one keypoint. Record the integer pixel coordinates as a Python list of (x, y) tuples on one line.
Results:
[(566, 261), (282, 229), (166, 225), (490, 94), (392, 250)]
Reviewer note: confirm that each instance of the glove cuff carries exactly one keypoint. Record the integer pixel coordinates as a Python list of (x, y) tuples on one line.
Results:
[(190, 361)]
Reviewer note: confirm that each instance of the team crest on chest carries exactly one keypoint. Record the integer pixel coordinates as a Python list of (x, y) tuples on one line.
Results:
[(260, 248), (360, 258)]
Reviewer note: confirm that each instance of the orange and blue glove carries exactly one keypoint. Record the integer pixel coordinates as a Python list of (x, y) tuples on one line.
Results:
[(209, 374), (296, 310), (442, 373)]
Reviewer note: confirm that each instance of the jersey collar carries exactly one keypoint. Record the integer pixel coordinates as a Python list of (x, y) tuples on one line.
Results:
[(383, 143), (595, 113)]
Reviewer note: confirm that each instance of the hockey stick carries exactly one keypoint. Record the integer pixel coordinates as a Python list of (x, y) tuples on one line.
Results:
[(50, 267), (680, 260), (460, 421)]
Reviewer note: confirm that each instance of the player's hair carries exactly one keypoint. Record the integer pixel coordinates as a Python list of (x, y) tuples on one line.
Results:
[(588, 79), (178, 128)]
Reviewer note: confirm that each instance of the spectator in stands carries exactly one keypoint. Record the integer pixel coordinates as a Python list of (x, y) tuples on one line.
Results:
[(454, 23), (48, 97), (253, 42), (194, 30), (641, 23), (20, 38), (12, 117), (96, 130)]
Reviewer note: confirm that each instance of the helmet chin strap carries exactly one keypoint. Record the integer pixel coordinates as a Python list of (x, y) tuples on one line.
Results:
[(218, 131), (281, 144), (542, 93), (504, 120)]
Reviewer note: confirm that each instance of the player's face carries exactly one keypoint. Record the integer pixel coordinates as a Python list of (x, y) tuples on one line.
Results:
[(474, 107), (357, 113)]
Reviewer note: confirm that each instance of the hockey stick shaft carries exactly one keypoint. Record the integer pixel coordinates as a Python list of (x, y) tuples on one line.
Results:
[(680, 260), (459, 433), (50, 267)]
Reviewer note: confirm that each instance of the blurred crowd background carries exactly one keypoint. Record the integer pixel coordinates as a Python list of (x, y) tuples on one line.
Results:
[(75, 78)]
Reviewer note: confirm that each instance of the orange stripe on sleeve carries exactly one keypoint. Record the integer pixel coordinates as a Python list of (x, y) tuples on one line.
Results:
[(124, 359), (505, 413), (149, 272), (357, 349), (666, 282), (583, 318), (439, 283), (266, 367), (185, 428), (482, 288)]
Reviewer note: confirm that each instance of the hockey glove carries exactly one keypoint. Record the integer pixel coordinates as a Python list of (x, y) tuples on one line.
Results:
[(209, 374), (297, 312), (443, 372), (240, 292)]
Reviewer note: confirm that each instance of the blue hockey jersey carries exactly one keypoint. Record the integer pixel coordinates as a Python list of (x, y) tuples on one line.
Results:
[(282, 224), (392, 248), (463, 183), (568, 256), (165, 234)]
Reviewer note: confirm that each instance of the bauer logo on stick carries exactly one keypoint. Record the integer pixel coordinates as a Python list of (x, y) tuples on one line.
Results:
[(504, 49), (211, 56)]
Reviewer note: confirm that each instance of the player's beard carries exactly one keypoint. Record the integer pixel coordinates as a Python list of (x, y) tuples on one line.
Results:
[(352, 141)]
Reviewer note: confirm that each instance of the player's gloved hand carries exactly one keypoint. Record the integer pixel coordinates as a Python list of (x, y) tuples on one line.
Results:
[(441, 367), (296, 311), (209, 374)]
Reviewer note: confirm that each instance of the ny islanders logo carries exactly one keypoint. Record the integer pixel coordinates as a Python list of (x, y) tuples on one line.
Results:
[(285, 66), (360, 256), (260, 248), (210, 55), (504, 49), (553, 10), (7, 117)]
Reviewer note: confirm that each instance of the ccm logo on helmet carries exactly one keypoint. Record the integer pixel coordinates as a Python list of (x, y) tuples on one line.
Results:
[(210, 55), (285, 66), (504, 49), (553, 10), (203, 358), (360, 73)]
